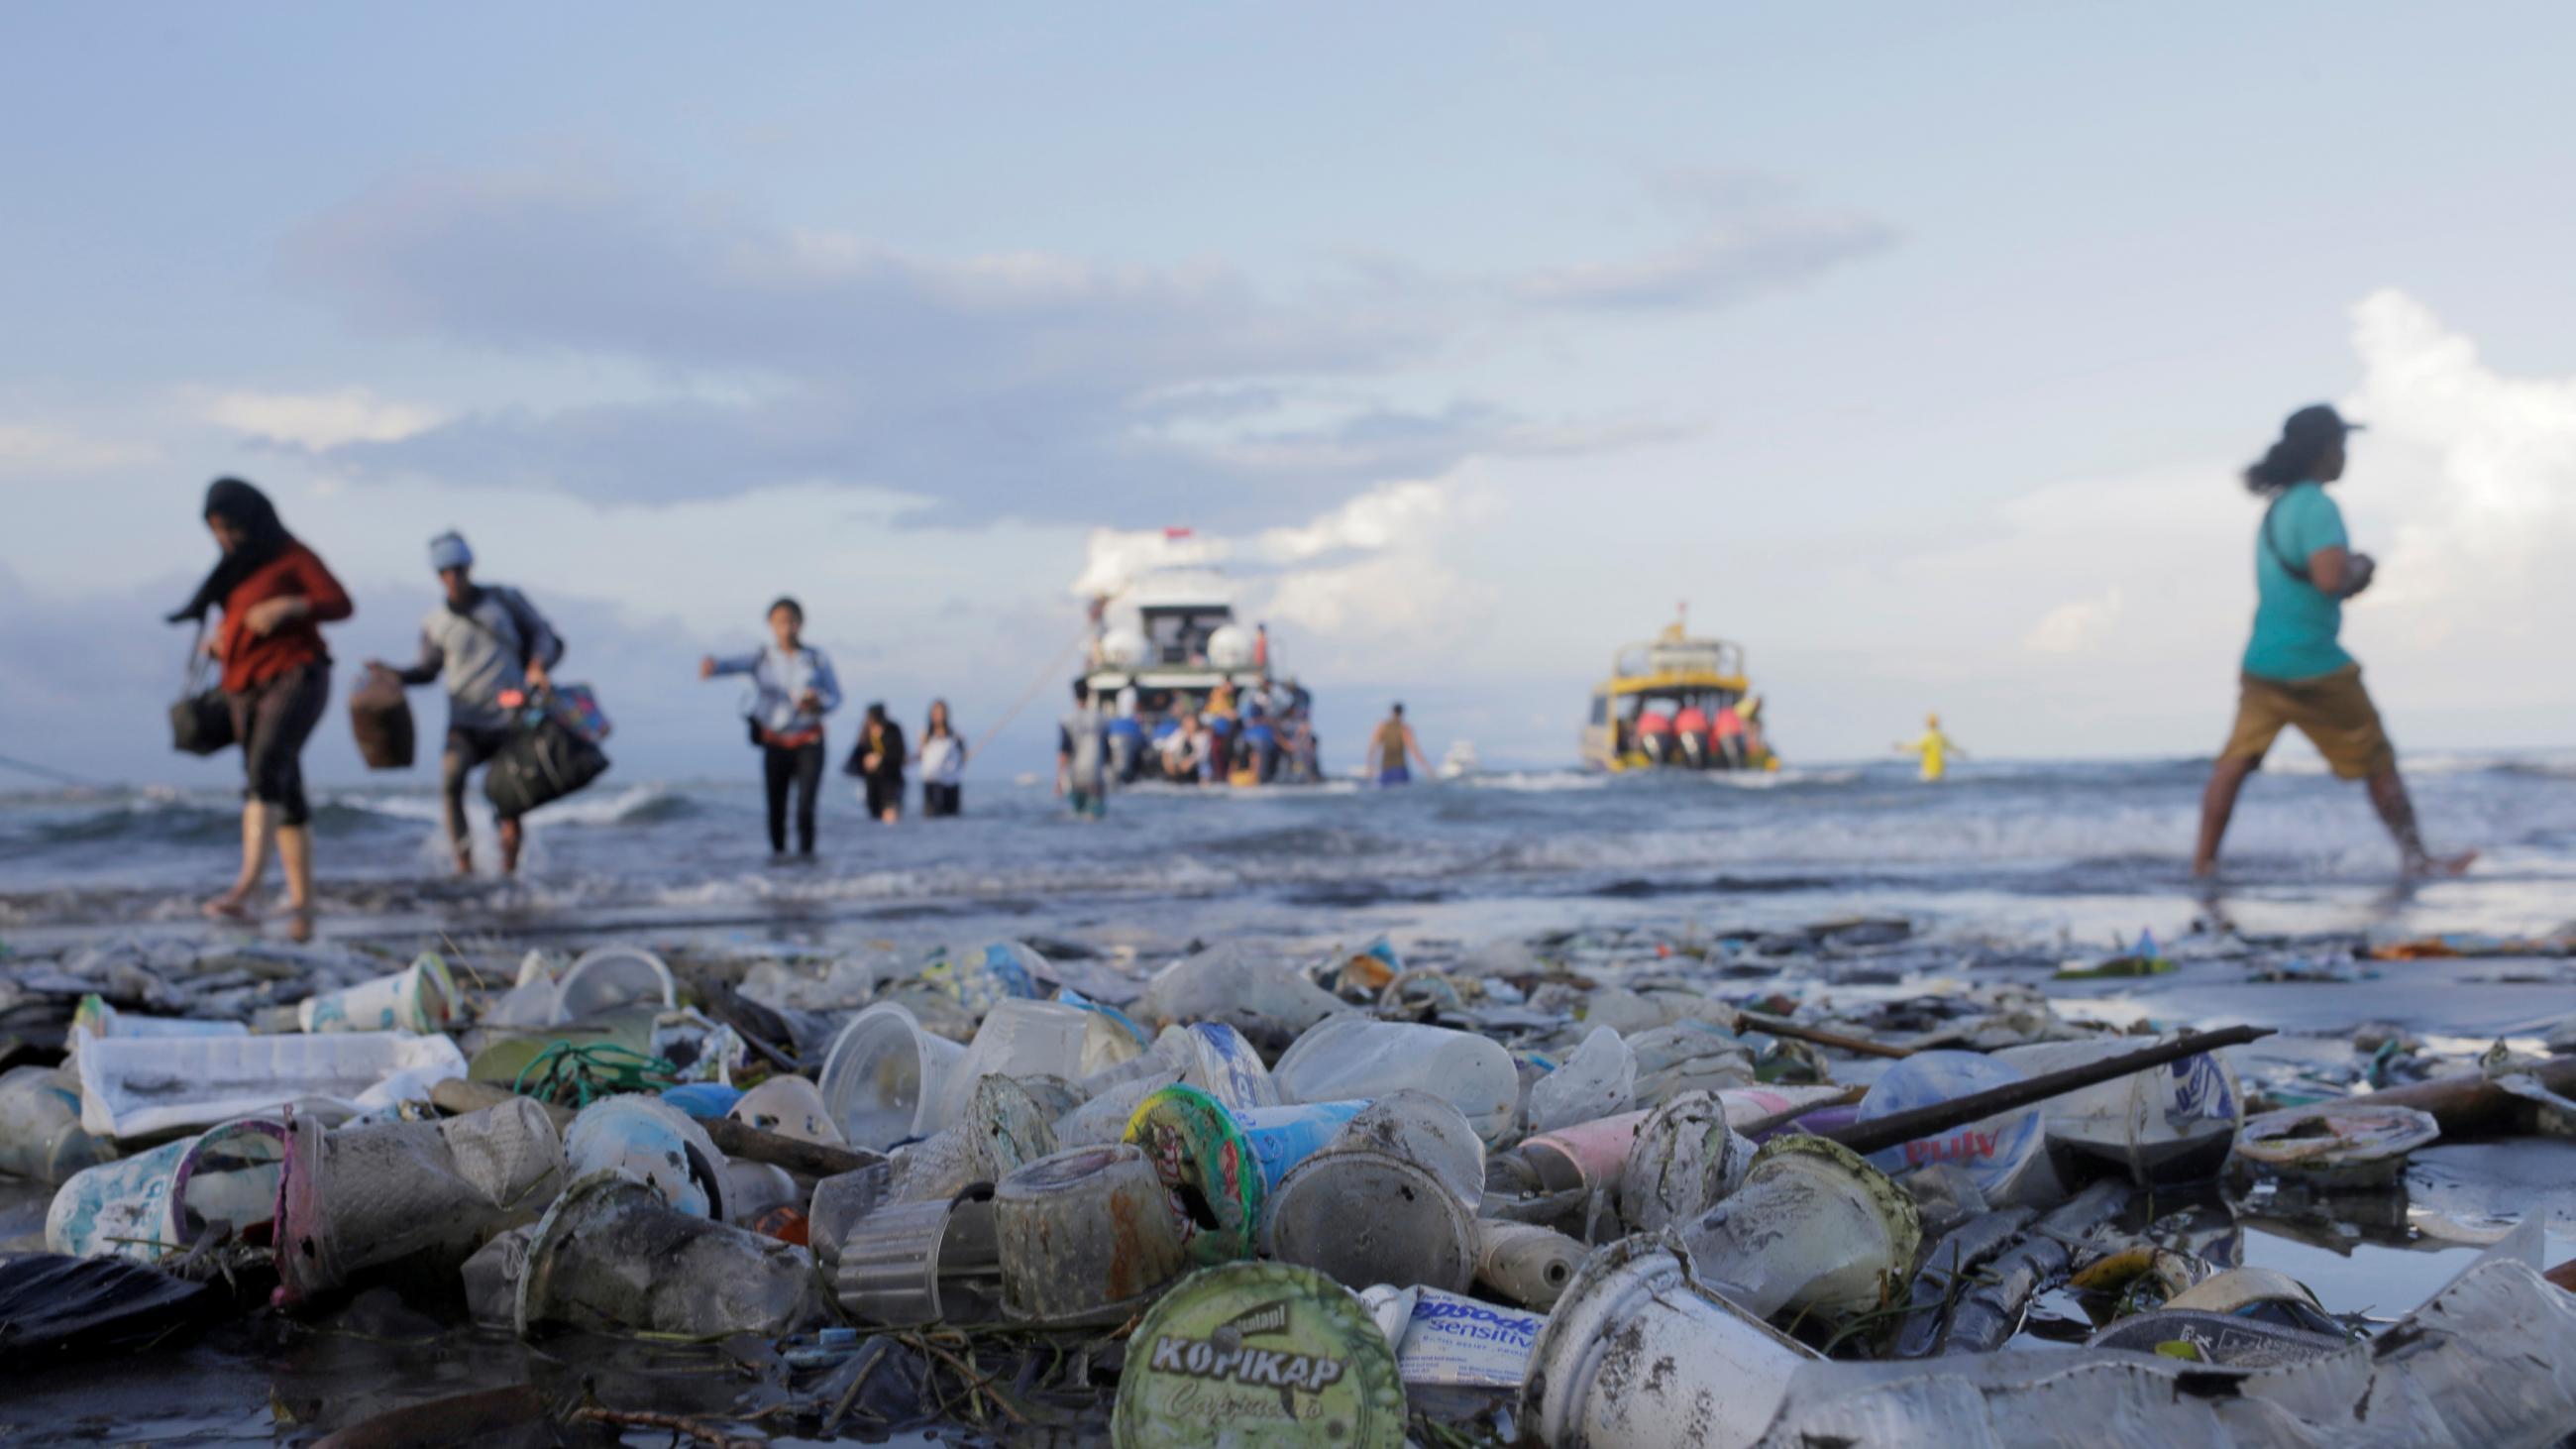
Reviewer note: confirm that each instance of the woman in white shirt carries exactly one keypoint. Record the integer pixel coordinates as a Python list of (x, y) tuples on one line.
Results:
[(943, 761), (792, 689)]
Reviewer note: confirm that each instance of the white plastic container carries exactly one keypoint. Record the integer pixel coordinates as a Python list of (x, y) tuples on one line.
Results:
[(2167, 1124), (136, 1087), (1023, 1038), (885, 1079), (1356, 1056)]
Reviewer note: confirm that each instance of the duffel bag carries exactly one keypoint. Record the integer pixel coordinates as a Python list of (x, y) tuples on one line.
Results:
[(543, 762)]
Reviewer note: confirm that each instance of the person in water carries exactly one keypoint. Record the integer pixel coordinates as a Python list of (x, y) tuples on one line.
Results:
[(878, 759), (2295, 672), (793, 687), (1391, 746), (482, 640), (275, 594), (1935, 749), (943, 761), (1082, 757)]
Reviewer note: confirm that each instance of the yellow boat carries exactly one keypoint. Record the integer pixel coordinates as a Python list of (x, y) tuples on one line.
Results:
[(1677, 703)]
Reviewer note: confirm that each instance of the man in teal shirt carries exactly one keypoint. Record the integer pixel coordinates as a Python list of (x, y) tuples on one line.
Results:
[(2295, 672)]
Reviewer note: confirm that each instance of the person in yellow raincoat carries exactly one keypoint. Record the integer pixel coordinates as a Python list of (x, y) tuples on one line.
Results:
[(1935, 748)]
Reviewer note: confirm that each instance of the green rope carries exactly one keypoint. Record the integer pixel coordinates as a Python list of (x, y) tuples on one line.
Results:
[(591, 1071)]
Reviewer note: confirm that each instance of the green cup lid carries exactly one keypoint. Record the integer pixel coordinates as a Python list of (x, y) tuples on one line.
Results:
[(1208, 1171), (1258, 1353)]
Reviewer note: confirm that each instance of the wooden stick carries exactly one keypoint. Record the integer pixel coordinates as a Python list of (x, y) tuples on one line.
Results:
[(1861, 1044), (734, 1139), (1888, 1131)]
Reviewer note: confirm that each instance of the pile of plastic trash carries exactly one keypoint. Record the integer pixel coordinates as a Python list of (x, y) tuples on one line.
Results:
[(1592, 1190)]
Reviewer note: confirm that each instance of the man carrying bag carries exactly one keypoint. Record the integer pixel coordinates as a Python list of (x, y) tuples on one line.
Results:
[(483, 642)]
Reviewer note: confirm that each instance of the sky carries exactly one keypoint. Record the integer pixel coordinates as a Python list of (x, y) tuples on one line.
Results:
[(1916, 348)]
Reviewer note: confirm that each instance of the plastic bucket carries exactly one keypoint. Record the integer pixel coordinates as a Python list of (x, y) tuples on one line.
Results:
[(421, 998), (610, 1254), (40, 1130), (1813, 1226), (1364, 1217), (610, 977), (885, 1079), (661, 1145), (1684, 1161), (1638, 1352), (1084, 1236)]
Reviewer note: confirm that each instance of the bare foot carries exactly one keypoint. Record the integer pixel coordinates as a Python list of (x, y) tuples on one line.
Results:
[(299, 924), (227, 907), (2442, 865), (464, 863)]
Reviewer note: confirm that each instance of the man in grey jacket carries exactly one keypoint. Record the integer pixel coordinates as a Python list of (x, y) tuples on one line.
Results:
[(484, 639)]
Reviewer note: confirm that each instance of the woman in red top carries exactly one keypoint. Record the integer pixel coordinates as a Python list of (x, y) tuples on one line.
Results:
[(274, 594)]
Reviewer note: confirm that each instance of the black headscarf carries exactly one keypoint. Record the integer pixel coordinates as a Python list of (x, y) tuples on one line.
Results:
[(263, 538)]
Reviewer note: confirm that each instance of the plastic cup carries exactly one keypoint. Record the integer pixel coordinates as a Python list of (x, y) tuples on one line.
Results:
[(1084, 1236), (610, 1254), (1814, 1226), (610, 977), (420, 998), (1637, 1351), (885, 1079), (40, 1129)]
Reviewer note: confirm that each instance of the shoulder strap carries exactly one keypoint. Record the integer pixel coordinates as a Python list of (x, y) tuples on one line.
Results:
[(2281, 556), (518, 621)]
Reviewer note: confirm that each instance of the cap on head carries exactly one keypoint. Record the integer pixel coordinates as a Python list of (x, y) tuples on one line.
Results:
[(448, 551), (2316, 423)]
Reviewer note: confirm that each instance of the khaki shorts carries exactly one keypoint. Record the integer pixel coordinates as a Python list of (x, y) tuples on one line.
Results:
[(2332, 710)]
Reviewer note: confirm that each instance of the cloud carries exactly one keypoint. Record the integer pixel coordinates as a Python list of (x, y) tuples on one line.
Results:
[(1359, 585), (29, 451), (1022, 383), (1747, 234), (319, 420), (2075, 627), (2474, 472)]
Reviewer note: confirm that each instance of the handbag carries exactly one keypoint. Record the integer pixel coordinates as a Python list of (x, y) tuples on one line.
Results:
[(201, 719)]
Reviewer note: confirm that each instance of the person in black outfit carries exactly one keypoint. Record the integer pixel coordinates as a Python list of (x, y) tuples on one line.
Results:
[(878, 759)]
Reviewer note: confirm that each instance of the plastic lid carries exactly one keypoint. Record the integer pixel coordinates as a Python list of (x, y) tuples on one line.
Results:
[(1258, 1353)]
